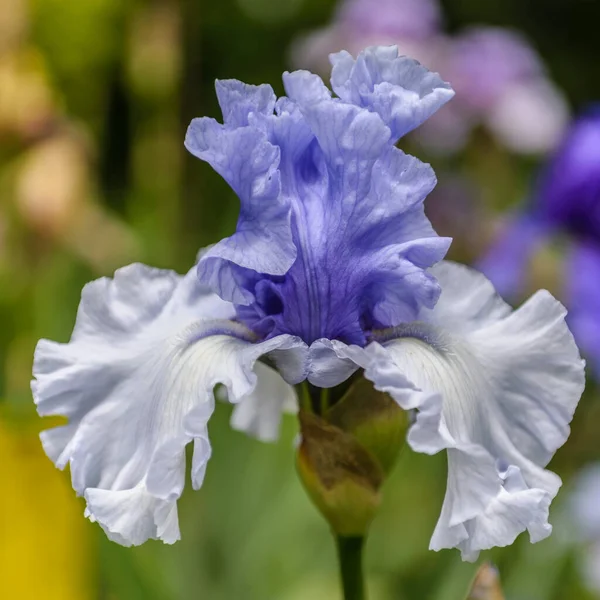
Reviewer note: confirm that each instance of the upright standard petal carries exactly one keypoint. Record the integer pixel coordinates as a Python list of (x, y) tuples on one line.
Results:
[(136, 383), (398, 88), (263, 241), (500, 390), (348, 244), (239, 100)]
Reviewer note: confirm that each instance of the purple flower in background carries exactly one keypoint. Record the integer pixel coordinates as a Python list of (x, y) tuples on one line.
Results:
[(400, 19), (412, 25), (500, 80), (503, 84), (331, 269), (565, 200), (485, 60)]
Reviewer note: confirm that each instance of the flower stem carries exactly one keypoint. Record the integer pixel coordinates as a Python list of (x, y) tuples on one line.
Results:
[(305, 401), (324, 404), (351, 567)]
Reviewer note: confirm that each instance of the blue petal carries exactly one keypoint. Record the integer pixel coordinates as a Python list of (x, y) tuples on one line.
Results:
[(305, 88), (239, 100), (332, 238), (398, 88), (262, 241), (362, 236)]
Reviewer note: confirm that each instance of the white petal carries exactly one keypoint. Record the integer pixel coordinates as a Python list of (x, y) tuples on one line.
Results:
[(114, 509), (136, 382), (259, 413), (468, 300), (498, 389), (326, 366)]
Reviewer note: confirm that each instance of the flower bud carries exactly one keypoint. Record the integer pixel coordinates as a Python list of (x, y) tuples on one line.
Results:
[(341, 476), (374, 419), (346, 453)]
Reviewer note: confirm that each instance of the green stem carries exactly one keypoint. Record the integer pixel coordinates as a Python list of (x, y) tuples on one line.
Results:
[(305, 401), (351, 567), (324, 404)]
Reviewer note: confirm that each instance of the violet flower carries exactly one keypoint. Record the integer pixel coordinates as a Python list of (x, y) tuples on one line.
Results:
[(412, 25), (566, 200), (504, 86)]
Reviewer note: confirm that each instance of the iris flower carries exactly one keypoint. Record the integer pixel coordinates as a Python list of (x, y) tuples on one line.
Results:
[(333, 268)]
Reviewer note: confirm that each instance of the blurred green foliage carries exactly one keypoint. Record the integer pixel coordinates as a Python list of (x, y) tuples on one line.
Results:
[(95, 99)]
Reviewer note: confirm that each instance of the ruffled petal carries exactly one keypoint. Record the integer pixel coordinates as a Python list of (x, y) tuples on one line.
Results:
[(469, 300), (239, 100), (263, 239), (329, 364), (363, 238), (398, 88), (259, 413), (136, 382), (332, 238), (305, 88), (498, 390)]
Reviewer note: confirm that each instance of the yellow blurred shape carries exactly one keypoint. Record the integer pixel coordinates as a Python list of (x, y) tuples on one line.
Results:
[(13, 23), (45, 552), (27, 103), (54, 195), (486, 585), (154, 61), (52, 182)]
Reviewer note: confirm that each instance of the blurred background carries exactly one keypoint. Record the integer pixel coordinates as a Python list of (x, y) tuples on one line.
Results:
[(95, 97)]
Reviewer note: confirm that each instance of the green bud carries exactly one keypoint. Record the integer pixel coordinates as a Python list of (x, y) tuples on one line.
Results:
[(374, 419), (340, 475)]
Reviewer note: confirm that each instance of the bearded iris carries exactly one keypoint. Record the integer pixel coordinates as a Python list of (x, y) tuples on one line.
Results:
[(333, 268)]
